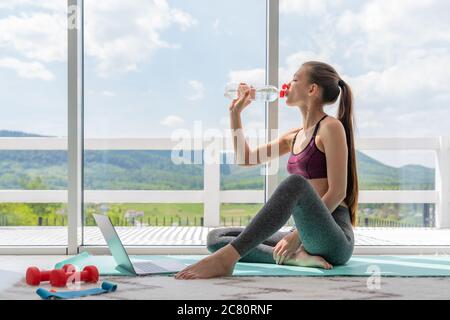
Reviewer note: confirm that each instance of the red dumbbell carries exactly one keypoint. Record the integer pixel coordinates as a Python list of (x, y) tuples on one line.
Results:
[(34, 276), (59, 278)]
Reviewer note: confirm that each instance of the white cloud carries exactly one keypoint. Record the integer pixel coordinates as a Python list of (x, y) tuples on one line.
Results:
[(254, 126), (120, 36), (394, 54), (420, 71), (199, 90), (104, 93), (54, 5), (392, 122), (216, 24), (38, 36), (285, 41), (388, 16), (224, 122), (295, 60), (253, 77), (383, 30), (401, 99), (307, 7), (27, 70), (108, 93), (256, 112), (172, 121), (367, 119), (183, 19)]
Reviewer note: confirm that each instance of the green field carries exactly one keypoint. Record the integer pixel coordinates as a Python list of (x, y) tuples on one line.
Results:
[(180, 214), (153, 214)]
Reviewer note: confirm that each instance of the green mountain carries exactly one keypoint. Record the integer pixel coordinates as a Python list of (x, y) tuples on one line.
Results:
[(7, 133), (373, 174), (154, 170)]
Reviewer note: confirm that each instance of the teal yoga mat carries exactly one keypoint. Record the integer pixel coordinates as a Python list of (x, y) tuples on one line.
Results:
[(384, 265)]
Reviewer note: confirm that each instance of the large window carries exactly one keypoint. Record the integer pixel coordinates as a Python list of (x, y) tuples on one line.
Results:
[(155, 72), (396, 57), (152, 96), (33, 124)]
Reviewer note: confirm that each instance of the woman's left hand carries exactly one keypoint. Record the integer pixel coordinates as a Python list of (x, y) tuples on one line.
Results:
[(286, 247)]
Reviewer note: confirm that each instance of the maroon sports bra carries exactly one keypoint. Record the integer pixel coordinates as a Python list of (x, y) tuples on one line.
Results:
[(310, 162)]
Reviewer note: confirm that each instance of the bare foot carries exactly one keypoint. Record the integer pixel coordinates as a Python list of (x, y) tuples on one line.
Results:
[(220, 264), (304, 259)]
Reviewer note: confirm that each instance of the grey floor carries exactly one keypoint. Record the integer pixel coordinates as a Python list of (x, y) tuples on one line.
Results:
[(12, 286)]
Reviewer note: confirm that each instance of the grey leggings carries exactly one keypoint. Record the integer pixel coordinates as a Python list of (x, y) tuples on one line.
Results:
[(329, 235)]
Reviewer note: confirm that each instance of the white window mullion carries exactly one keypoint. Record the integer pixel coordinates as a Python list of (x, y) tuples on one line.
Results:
[(75, 125), (211, 182), (272, 57), (442, 173)]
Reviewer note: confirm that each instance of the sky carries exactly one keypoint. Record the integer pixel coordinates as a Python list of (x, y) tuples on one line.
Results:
[(155, 67)]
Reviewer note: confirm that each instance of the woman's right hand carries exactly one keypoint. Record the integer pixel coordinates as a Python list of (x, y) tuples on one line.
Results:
[(286, 247), (245, 93)]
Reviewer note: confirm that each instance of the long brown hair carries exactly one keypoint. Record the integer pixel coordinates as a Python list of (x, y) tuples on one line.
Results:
[(326, 77)]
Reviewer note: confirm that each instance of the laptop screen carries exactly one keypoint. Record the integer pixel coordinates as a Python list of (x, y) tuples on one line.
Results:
[(112, 239)]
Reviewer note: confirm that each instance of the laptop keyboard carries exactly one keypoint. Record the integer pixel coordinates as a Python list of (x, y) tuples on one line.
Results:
[(148, 267), (165, 266)]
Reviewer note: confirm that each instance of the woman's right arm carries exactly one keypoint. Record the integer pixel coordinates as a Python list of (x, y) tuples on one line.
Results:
[(243, 154)]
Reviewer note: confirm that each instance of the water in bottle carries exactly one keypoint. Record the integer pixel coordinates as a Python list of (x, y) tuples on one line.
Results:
[(265, 93)]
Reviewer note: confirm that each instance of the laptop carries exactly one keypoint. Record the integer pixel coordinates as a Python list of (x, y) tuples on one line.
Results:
[(141, 267)]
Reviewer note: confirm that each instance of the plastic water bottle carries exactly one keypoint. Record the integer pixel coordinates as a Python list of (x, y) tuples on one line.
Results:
[(265, 93)]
